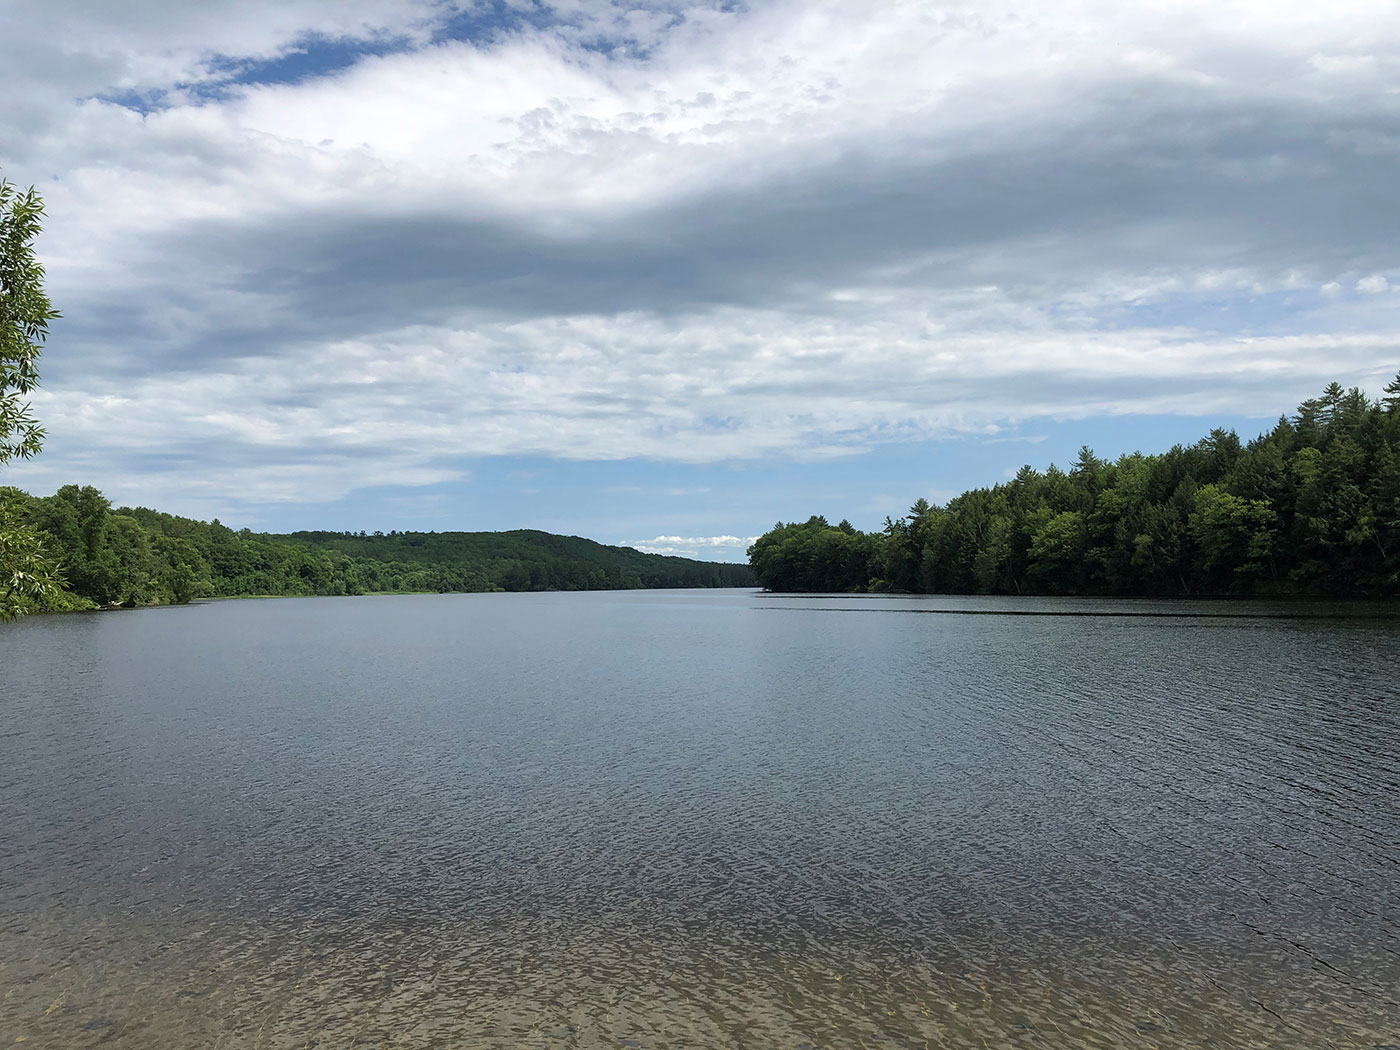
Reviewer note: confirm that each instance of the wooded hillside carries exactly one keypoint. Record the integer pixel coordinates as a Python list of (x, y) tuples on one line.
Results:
[(135, 556), (1310, 508)]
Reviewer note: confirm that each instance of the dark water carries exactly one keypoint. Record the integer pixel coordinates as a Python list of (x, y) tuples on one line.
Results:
[(698, 819)]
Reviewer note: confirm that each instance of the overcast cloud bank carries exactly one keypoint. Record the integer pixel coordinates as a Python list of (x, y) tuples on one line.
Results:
[(306, 248)]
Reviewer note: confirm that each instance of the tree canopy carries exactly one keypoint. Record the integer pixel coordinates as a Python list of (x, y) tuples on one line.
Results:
[(128, 556), (1311, 507), (28, 577)]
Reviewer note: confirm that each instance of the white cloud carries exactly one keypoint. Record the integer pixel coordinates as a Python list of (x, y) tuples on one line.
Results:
[(706, 548), (800, 229), (731, 385), (700, 541)]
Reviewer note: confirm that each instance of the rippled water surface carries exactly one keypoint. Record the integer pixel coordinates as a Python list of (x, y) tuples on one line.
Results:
[(699, 819)]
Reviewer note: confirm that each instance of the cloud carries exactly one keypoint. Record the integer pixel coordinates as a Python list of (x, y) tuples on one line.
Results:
[(702, 541), (729, 385), (1029, 439), (684, 232), (706, 548)]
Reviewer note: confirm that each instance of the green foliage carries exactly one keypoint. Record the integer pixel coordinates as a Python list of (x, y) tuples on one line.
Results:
[(520, 560), (25, 313), (28, 576), (134, 556), (1312, 507), (1056, 556), (1234, 538), (813, 555)]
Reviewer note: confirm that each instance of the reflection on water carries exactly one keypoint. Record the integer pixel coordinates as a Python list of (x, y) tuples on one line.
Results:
[(683, 819)]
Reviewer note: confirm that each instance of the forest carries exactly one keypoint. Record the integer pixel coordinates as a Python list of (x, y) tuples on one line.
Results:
[(1311, 508), (124, 557)]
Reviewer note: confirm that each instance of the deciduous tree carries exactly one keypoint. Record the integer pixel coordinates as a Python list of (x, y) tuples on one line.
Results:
[(27, 575)]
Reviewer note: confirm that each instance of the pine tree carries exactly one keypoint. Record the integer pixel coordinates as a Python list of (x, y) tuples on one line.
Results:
[(1392, 395)]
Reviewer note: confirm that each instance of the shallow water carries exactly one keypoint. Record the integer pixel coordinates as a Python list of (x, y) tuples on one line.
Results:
[(698, 819)]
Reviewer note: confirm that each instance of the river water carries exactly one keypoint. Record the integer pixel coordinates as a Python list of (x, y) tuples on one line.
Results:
[(699, 819)]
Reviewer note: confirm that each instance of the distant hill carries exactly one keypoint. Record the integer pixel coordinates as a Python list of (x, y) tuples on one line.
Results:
[(529, 560), (137, 556)]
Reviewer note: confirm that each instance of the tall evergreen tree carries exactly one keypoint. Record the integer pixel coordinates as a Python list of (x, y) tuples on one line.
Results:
[(1392, 395)]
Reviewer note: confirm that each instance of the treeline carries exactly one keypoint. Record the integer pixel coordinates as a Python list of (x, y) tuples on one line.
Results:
[(133, 556), (523, 560), (1310, 508)]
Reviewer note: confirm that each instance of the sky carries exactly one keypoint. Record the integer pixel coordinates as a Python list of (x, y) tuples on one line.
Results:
[(664, 273)]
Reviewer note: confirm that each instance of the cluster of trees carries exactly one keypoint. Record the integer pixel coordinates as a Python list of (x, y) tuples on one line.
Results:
[(27, 574), (1310, 508), (525, 560), (134, 556)]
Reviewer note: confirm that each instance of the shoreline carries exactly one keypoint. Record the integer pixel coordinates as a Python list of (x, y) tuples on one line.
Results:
[(366, 594)]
